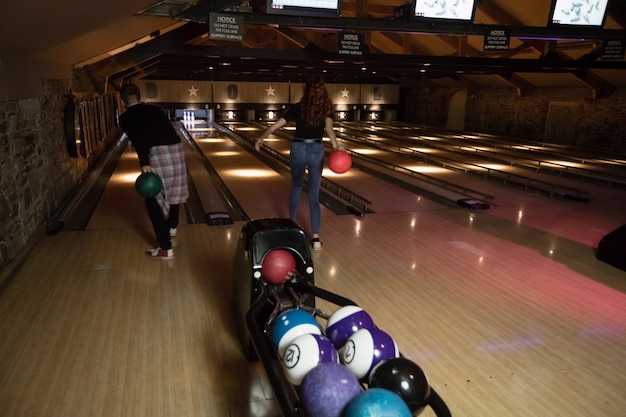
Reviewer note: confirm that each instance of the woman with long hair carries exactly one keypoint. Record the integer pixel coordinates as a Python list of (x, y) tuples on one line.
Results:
[(313, 116)]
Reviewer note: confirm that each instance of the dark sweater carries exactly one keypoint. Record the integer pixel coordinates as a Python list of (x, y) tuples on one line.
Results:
[(146, 125)]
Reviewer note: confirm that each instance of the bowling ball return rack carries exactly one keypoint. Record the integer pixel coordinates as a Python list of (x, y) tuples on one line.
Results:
[(258, 302)]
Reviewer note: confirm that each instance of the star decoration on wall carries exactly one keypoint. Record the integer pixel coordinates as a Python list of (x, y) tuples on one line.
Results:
[(193, 91), (345, 93), (270, 91)]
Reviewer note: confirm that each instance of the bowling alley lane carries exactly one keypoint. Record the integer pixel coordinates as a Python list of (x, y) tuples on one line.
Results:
[(120, 206), (511, 205), (506, 310), (264, 192)]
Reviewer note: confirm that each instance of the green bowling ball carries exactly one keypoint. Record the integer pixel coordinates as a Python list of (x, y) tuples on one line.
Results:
[(148, 184)]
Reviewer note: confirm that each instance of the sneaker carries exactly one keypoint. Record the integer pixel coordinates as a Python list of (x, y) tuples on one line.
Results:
[(316, 243), (173, 232), (160, 253)]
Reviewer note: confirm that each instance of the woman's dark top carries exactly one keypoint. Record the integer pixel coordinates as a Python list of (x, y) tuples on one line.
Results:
[(146, 126), (302, 131)]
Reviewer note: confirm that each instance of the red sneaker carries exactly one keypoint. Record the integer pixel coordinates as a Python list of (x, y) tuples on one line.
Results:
[(160, 253)]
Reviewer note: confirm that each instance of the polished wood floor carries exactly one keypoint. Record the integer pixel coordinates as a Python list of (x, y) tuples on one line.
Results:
[(507, 310)]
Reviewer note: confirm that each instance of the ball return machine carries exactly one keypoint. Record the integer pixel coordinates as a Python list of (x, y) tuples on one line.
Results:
[(258, 302)]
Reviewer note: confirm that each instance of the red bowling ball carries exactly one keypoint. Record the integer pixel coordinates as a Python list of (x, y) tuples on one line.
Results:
[(339, 162), (278, 265)]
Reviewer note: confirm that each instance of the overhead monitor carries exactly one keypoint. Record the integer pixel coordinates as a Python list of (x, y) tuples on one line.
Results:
[(444, 9), (578, 12), (315, 8)]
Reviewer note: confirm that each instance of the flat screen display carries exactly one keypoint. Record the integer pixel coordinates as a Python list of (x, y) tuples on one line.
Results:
[(579, 12), (319, 8), (444, 9)]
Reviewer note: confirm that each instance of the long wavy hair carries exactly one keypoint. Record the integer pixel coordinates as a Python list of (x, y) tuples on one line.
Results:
[(315, 105)]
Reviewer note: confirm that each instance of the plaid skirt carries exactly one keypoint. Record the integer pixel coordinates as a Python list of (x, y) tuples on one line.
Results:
[(169, 162)]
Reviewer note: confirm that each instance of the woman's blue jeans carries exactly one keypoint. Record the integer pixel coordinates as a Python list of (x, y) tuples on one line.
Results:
[(306, 156)]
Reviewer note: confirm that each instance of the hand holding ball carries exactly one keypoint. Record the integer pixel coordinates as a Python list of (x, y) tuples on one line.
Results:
[(148, 184), (339, 161)]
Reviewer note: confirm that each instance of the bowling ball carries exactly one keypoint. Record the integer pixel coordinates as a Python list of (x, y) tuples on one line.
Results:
[(377, 402), (327, 390), (290, 324), (148, 184), (405, 378), (277, 265), (365, 349), (304, 353), (339, 162), (345, 321)]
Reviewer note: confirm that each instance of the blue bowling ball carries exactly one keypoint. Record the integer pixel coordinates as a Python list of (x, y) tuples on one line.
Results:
[(327, 390), (377, 402), (290, 324)]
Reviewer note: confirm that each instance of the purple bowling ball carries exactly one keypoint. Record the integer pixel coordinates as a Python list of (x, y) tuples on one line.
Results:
[(346, 321), (365, 349), (304, 353), (327, 390)]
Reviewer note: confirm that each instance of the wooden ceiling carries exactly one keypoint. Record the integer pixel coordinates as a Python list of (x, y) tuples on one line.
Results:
[(122, 40)]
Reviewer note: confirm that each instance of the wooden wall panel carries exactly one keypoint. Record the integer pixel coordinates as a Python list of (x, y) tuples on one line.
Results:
[(380, 94), (176, 91), (344, 96), (251, 92)]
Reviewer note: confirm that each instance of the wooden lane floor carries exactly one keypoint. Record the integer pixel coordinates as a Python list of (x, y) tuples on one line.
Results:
[(385, 197), (501, 324), (586, 223)]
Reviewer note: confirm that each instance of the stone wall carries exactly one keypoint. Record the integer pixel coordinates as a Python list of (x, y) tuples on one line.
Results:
[(594, 124), (36, 171), (425, 104)]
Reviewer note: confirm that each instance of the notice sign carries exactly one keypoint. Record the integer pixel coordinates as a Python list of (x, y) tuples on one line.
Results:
[(497, 39), (350, 44), (613, 49), (225, 27)]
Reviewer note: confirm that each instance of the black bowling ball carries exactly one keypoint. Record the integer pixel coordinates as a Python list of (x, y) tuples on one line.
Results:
[(405, 378)]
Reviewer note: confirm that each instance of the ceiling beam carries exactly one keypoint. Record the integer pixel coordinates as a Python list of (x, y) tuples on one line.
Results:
[(426, 27), (597, 86), (521, 86)]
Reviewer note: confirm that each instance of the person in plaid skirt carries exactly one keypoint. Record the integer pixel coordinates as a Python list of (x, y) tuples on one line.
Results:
[(160, 151)]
